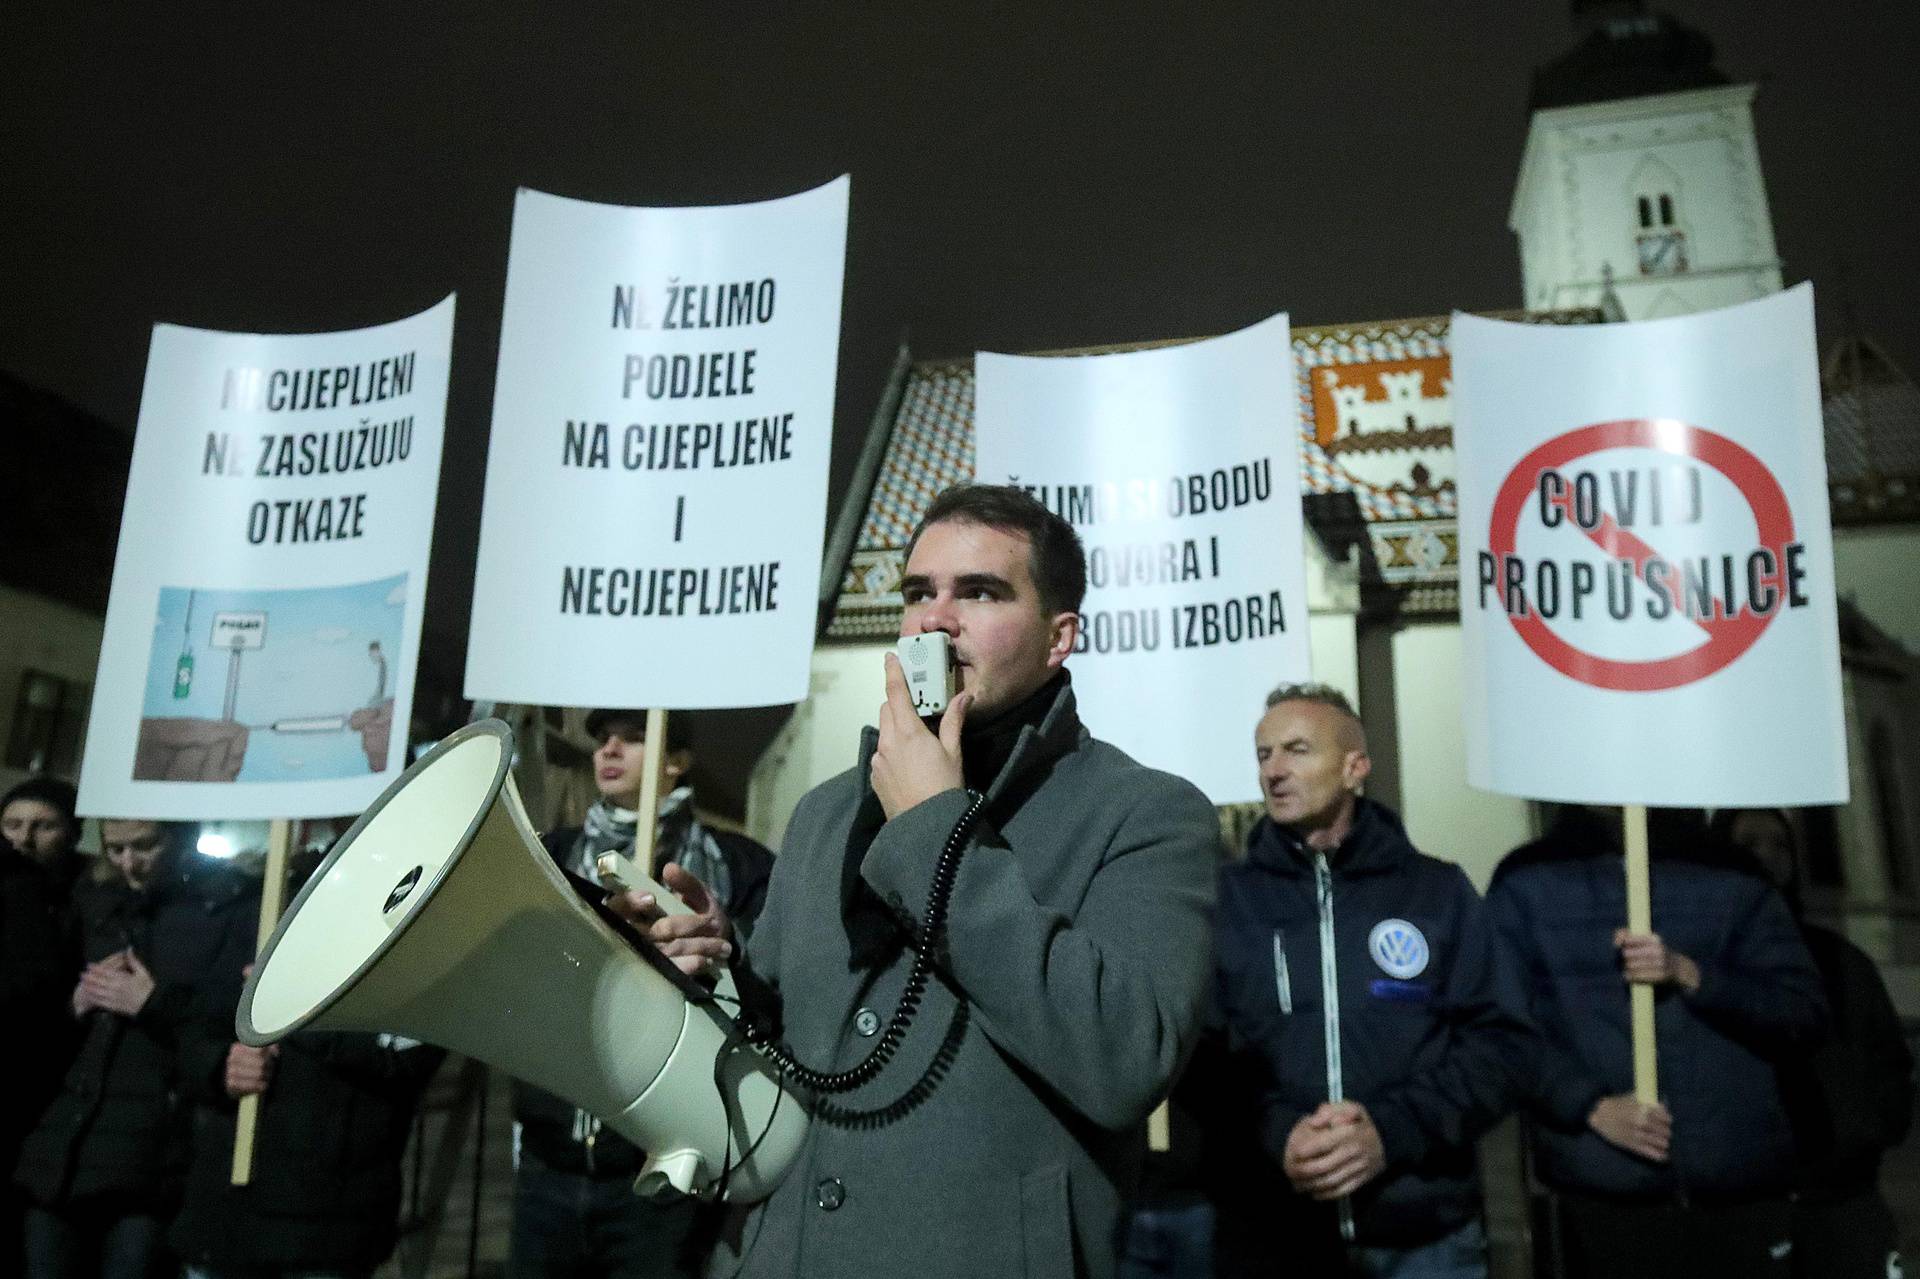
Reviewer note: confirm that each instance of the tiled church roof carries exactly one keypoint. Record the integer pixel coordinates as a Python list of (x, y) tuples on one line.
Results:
[(1872, 411), (930, 446), (1872, 429)]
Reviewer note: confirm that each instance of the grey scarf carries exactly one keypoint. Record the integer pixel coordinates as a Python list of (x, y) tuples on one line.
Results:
[(679, 838)]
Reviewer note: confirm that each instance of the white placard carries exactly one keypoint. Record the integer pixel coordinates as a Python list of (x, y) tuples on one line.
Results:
[(657, 476), (264, 622), (1646, 561), (1180, 470)]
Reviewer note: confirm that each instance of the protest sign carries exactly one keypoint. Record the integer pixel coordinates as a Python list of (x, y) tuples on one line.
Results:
[(1179, 468), (1646, 560), (656, 479), (264, 620)]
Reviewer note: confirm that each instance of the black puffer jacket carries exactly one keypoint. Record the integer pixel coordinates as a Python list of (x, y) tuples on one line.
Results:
[(38, 963), (1851, 1098), (1400, 1014), (325, 1191), (117, 1124), (1556, 904)]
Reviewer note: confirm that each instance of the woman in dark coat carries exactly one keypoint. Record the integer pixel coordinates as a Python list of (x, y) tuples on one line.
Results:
[(1850, 1097), (37, 963), (101, 1168)]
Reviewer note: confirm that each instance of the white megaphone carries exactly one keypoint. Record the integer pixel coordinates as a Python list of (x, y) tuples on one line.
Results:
[(440, 917)]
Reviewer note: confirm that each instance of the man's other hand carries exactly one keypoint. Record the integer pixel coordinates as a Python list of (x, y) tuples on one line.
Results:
[(1646, 1131), (120, 983), (696, 943), (1645, 960), (1334, 1151), (249, 1069)]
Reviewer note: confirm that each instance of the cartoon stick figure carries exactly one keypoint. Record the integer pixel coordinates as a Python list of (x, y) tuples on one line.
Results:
[(380, 683)]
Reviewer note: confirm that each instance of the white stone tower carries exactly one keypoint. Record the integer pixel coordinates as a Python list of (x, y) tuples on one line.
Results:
[(1641, 169)]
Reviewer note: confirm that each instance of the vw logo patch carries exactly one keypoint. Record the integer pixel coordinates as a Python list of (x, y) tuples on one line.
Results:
[(1399, 948)]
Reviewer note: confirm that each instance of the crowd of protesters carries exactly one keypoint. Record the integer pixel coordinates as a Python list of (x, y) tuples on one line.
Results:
[(1372, 1018), (122, 974)]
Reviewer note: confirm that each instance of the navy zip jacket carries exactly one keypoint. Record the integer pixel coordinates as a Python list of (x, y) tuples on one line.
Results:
[(1404, 1020), (1555, 905)]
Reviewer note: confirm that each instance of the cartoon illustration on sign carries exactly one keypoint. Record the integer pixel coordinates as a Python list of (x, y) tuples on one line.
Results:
[(270, 686)]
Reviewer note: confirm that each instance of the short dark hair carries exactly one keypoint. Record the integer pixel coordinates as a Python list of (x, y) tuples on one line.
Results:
[(52, 792), (1322, 694), (177, 838), (1723, 821), (1055, 558), (679, 725)]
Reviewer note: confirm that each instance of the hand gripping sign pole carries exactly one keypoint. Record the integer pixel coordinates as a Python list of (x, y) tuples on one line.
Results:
[(1646, 573), (273, 900)]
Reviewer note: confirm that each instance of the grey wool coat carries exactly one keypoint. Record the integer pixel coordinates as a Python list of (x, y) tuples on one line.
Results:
[(1071, 986)]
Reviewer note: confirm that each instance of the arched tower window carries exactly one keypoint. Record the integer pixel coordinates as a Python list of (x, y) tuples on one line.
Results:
[(1659, 241)]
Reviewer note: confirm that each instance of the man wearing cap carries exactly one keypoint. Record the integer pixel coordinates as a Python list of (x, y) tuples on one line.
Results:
[(36, 817), (574, 1207)]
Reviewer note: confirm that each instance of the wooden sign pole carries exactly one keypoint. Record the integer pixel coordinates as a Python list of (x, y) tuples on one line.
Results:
[(1646, 1074), (651, 767), (273, 899), (1160, 1129)]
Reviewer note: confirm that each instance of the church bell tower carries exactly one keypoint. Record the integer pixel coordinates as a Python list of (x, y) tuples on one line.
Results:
[(1640, 188)]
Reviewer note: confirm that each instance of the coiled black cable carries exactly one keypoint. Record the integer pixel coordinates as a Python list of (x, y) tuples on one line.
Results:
[(932, 923)]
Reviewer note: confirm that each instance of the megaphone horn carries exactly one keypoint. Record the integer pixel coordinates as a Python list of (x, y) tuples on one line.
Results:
[(440, 917)]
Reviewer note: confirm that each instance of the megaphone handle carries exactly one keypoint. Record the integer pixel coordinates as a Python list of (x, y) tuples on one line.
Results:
[(273, 899), (621, 872)]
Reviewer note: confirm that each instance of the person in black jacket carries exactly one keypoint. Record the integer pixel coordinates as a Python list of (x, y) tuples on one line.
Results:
[(37, 963), (335, 1114), (101, 1169), (36, 817), (1697, 1184), (575, 1212), (1355, 981), (1850, 1097)]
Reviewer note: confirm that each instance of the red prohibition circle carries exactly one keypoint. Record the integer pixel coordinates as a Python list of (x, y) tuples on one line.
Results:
[(1727, 637)]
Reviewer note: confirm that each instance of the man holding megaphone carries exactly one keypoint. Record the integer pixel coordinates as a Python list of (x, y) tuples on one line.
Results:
[(575, 1211), (1061, 891)]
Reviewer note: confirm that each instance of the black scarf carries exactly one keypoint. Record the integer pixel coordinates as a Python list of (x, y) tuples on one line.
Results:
[(875, 933), (985, 748)]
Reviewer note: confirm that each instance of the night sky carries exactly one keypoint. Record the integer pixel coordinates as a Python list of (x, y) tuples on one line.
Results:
[(1025, 176)]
